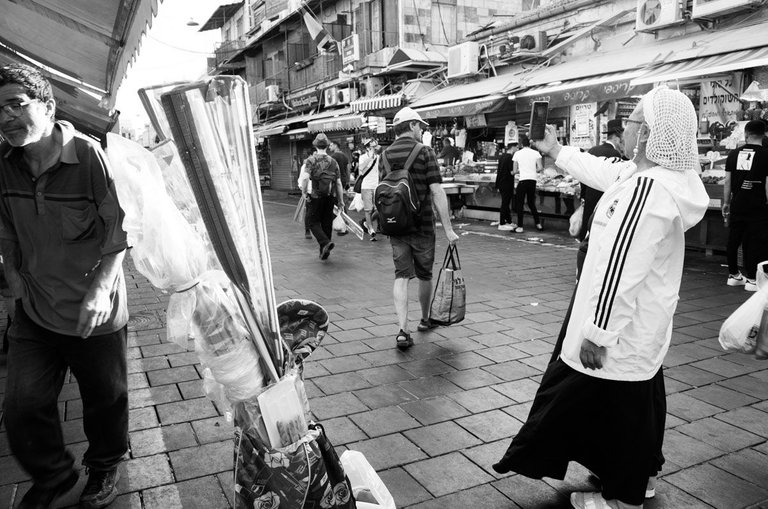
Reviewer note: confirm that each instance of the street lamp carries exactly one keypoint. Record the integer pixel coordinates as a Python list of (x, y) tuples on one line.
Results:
[(192, 22)]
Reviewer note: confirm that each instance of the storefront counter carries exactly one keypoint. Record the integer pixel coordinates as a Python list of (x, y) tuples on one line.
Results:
[(711, 234)]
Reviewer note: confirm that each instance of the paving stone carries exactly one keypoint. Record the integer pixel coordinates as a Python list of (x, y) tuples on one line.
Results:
[(521, 411), (215, 429), (465, 360), (512, 370), (721, 397), (433, 410), (172, 375), (152, 441), (202, 460), (717, 487), (334, 384), (345, 364), (748, 385), (344, 349), (162, 349), (192, 389), (747, 464), (490, 426), (336, 405), (720, 434), (456, 346), (426, 367), (723, 367), (142, 418), (127, 501), (749, 419), (495, 339), (388, 451), (342, 430), (441, 438), (485, 455), (361, 334), (689, 408), (403, 488), (384, 421), (530, 493), (385, 375), (314, 369), (384, 395), (139, 398), (481, 399), (518, 390), (686, 451), (447, 474), (182, 359), (670, 496), (180, 411), (386, 357), (429, 386), (137, 381), (485, 496), (142, 473)]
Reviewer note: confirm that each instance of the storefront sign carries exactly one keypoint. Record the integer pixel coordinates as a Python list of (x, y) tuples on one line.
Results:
[(350, 49), (583, 132), (600, 92), (510, 133), (475, 121), (305, 101), (716, 104), (377, 124)]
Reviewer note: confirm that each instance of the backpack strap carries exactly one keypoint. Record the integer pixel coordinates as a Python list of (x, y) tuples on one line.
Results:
[(408, 162)]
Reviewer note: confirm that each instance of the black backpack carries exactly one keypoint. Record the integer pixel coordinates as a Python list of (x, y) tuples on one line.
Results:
[(396, 199), (323, 171)]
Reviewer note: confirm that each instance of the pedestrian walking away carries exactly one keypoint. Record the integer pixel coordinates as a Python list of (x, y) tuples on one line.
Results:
[(63, 243), (414, 253), (369, 173), (326, 190), (745, 206), (505, 184), (527, 162), (601, 403)]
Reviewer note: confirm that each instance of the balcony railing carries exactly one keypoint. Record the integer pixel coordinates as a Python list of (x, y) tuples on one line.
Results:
[(323, 68), (227, 50)]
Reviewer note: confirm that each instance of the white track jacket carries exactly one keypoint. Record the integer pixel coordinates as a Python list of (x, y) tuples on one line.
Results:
[(629, 285)]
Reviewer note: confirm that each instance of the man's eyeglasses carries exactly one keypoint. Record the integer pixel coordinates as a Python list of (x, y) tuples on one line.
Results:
[(15, 110)]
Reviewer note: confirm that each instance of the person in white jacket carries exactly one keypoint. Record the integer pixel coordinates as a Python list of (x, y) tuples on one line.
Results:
[(602, 403)]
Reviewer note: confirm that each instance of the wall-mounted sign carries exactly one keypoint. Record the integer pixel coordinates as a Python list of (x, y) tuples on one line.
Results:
[(350, 49), (583, 125), (475, 121), (305, 101), (510, 133), (716, 103)]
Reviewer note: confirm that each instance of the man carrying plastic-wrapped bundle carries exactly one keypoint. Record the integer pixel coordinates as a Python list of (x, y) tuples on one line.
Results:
[(63, 243), (602, 403)]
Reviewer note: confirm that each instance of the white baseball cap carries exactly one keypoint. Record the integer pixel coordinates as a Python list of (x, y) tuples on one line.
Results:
[(407, 115)]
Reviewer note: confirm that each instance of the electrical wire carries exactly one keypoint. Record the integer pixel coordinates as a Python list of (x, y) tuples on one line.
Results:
[(209, 53)]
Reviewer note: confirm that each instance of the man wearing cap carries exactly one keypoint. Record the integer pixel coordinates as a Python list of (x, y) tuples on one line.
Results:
[(611, 148), (414, 254), (323, 172)]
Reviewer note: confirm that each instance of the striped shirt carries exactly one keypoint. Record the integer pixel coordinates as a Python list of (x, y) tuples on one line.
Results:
[(424, 172), (64, 221)]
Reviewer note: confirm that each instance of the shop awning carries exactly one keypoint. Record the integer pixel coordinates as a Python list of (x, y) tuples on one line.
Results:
[(476, 106), (413, 90), (480, 88), (413, 60), (341, 123), (706, 66), (297, 134), (270, 131), (592, 89), (89, 42)]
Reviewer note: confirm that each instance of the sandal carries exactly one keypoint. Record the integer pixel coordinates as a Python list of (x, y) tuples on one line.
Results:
[(403, 340), (425, 325)]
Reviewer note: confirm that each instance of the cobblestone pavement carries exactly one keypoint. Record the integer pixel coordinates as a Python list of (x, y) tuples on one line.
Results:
[(433, 419)]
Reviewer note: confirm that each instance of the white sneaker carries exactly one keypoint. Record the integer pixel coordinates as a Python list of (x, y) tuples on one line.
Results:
[(519, 229), (750, 285), (494, 223), (507, 227), (736, 279)]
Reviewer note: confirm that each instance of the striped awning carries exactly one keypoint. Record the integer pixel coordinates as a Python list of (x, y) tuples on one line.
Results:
[(342, 123), (705, 66), (383, 102)]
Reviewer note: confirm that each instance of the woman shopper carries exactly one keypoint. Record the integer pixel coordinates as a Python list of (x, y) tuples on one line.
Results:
[(602, 403), (369, 172), (528, 164)]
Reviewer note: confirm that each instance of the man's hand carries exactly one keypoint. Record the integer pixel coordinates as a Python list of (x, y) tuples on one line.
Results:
[(451, 236), (726, 208), (94, 311), (591, 355), (549, 145)]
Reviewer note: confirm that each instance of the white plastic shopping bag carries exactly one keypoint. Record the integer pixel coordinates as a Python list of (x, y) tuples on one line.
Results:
[(368, 488), (357, 203), (575, 221), (339, 225), (739, 332)]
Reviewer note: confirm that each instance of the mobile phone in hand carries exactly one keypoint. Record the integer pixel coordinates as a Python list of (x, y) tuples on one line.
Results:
[(539, 113)]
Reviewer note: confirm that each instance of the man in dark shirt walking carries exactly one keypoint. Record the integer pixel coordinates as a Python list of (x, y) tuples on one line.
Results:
[(414, 253), (505, 184), (342, 160)]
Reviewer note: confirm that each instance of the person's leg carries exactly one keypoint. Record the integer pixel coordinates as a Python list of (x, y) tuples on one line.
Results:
[(315, 210), (755, 246), (505, 215), (328, 217), (519, 200), (425, 297), (99, 365), (400, 294), (36, 373), (735, 235), (402, 256), (531, 197), (423, 247)]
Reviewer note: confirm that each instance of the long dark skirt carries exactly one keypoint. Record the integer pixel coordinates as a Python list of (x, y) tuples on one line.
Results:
[(613, 428)]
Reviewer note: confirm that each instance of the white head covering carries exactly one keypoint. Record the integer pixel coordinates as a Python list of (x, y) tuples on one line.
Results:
[(673, 126)]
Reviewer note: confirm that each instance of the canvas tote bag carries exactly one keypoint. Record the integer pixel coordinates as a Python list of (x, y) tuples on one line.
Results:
[(449, 302)]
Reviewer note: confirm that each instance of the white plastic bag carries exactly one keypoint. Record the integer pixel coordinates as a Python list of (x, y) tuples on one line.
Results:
[(576, 220), (367, 486), (740, 330), (339, 225), (357, 203)]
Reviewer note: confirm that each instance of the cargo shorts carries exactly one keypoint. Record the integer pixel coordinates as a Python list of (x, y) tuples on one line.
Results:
[(414, 255)]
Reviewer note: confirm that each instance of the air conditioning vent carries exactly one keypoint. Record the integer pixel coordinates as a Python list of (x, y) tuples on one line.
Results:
[(655, 14), (714, 8), (371, 86), (273, 93), (330, 96), (346, 95), (463, 59)]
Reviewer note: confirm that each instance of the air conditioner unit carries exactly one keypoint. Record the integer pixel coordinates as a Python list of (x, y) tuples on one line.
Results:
[(655, 14), (346, 95), (463, 59), (371, 86), (714, 8), (330, 96), (273, 93)]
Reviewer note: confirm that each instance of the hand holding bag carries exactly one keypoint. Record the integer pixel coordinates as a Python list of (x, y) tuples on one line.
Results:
[(449, 302)]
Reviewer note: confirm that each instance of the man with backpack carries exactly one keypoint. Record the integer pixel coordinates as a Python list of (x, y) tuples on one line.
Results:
[(409, 185), (326, 191)]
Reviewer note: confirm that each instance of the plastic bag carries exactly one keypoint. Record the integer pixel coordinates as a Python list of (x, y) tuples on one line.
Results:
[(449, 302), (357, 203), (367, 487), (739, 332), (301, 210), (339, 225), (576, 220)]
